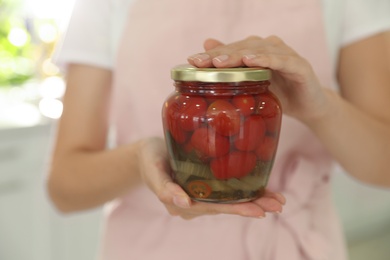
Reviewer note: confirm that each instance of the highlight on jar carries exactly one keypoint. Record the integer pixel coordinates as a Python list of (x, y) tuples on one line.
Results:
[(222, 130)]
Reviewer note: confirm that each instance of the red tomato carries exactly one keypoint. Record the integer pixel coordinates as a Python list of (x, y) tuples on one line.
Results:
[(267, 106), (178, 134), (244, 103), (273, 123), (251, 134), (267, 148), (199, 189), (233, 165), (223, 118), (191, 152), (211, 98), (188, 147), (209, 143), (171, 119), (192, 110)]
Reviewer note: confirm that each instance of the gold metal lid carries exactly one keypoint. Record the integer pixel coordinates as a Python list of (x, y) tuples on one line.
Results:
[(191, 73)]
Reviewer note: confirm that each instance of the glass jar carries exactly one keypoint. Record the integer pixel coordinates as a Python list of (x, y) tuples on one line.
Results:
[(221, 129)]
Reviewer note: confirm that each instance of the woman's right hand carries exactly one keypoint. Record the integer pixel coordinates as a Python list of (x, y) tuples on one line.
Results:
[(155, 171)]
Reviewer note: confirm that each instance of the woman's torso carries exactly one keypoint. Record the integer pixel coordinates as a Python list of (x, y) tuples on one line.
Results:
[(138, 226)]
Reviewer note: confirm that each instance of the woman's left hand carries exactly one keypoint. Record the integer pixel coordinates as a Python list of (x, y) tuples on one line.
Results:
[(293, 79)]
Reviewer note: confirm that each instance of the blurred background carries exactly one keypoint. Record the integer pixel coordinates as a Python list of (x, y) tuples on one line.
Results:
[(31, 87)]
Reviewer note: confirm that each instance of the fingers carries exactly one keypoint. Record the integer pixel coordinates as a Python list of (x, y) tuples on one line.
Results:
[(270, 202), (247, 209), (203, 59), (270, 52), (284, 63), (277, 196), (211, 44)]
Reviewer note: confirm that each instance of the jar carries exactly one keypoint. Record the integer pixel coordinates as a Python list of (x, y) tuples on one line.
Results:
[(221, 129)]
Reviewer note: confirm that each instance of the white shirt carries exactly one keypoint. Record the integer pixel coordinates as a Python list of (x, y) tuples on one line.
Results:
[(94, 33)]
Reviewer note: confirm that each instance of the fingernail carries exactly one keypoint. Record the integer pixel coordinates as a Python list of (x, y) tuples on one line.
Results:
[(249, 56), (199, 57), (181, 202), (221, 58), (282, 199)]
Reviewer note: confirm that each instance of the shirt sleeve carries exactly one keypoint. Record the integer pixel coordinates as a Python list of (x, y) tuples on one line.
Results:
[(365, 18), (87, 36)]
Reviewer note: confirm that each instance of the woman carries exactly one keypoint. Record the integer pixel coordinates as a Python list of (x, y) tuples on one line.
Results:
[(330, 63)]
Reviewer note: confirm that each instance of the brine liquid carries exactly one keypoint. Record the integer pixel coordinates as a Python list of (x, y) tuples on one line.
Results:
[(198, 181)]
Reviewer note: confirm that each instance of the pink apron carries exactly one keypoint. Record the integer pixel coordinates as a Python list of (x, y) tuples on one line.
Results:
[(160, 34)]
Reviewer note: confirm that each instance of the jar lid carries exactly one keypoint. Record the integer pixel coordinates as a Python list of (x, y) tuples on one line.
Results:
[(191, 73)]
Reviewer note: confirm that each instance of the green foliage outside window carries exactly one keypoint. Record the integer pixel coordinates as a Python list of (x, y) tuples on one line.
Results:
[(20, 47)]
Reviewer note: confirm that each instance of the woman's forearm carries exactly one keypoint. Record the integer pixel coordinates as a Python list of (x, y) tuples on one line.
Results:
[(358, 141), (86, 179)]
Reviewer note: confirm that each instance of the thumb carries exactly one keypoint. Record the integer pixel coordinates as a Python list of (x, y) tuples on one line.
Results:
[(170, 193), (166, 189), (178, 195), (211, 44)]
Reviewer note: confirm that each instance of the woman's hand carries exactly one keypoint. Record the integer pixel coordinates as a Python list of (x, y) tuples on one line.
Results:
[(293, 79), (357, 116), (154, 169)]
